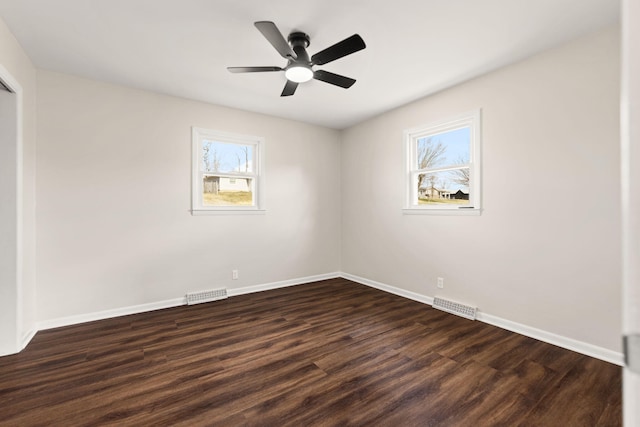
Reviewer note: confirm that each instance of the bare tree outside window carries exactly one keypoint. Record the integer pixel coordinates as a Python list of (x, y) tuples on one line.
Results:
[(430, 153), (461, 176), (206, 149)]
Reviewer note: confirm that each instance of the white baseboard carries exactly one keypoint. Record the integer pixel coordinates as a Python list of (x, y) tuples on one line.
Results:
[(124, 311), (28, 336), (108, 314), (591, 350), (551, 338), (388, 288), (21, 343), (281, 284)]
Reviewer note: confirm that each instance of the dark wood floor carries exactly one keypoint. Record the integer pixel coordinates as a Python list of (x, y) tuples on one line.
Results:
[(323, 354)]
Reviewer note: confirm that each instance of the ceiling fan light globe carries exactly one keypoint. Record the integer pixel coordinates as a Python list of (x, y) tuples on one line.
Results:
[(299, 74)]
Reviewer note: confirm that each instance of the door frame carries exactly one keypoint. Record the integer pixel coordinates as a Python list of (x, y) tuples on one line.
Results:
[(630, 186), (15, 250)]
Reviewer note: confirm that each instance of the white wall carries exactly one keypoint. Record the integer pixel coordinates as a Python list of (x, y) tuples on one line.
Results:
[(113, 190), (17, 288), (546, 250)]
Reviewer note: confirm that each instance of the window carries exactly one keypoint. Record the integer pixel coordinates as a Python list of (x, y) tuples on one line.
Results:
[(227, 172), (443, 166)]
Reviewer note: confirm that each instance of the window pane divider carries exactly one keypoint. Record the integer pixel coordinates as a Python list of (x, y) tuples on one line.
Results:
[(445, 168)]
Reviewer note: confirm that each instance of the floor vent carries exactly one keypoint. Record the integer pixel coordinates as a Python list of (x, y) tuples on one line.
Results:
[(455, 307), (206, 296)]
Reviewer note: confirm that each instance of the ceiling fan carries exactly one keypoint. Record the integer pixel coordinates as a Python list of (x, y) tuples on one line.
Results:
[(299, 68)]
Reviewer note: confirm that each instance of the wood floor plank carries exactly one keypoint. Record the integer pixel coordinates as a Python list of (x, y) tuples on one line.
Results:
[(330, 353), (580, 398)]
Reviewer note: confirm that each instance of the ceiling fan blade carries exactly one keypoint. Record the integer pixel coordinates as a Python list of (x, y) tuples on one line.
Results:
[(345, 47), (275, 37), (252, 69), (289, 88), (334, 79)]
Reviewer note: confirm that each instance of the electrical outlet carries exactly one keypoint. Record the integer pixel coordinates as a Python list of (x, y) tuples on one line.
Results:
[(234, 274), (440, 282)]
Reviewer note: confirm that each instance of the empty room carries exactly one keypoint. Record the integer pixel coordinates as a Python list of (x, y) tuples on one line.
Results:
[(319, 213)]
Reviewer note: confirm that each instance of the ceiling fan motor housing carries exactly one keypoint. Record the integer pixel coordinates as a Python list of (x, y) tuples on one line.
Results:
[(300, 42)]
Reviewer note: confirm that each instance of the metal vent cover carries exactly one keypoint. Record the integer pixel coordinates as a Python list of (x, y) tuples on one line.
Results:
[(206, 296), (453, 307)]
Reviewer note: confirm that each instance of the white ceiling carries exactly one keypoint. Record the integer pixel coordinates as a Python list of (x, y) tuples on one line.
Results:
[(182, 47)]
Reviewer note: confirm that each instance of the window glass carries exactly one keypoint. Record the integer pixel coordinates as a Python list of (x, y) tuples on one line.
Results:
[(226, 157), (444, 188)]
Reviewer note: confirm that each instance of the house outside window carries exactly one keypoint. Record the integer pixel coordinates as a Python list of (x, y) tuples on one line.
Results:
[(443, 173), (226, 172)]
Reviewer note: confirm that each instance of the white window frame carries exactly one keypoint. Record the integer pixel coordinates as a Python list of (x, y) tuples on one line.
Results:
[(472, 120), (198, 136)]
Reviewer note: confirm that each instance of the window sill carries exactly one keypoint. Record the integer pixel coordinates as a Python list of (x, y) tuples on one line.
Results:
[(229, 211), (435, 211)]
